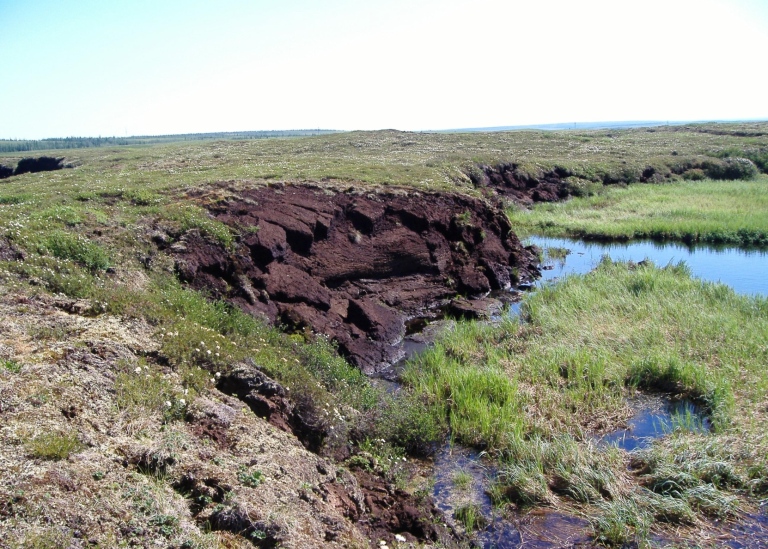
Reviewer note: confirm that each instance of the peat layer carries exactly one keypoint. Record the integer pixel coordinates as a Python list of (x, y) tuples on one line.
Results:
[(355, 267), (509, 181), (32, 165)]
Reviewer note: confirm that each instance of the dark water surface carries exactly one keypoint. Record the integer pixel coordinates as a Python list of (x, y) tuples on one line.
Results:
[(538, 529)]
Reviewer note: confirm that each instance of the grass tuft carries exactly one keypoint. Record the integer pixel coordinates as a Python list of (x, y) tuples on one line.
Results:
[(54, 446)]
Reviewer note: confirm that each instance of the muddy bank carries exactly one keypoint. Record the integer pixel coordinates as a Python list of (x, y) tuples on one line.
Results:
[(354, 267)]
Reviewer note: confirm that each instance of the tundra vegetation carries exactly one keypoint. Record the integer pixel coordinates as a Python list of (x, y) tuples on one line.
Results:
[(109, 366), (707, 212), (535, 394)]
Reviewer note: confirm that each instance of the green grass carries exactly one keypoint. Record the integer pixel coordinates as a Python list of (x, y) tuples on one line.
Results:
[(470, 516), (534, 394), (10, 366), (723, 212), (54, 446), (67, 246), (462, 480)]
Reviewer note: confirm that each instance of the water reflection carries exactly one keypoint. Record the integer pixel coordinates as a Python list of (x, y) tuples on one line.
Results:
[(656, 416), (741, 269)]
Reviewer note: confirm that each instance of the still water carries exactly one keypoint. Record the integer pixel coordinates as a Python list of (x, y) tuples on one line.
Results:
[(744, 270)]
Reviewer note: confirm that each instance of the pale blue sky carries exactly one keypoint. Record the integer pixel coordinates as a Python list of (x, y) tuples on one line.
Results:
[(99, 67)]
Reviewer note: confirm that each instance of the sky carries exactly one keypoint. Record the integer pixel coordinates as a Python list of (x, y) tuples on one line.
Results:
[(150, 67)]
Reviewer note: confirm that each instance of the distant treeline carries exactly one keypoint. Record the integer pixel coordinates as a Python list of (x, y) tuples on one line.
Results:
[(24, 145)]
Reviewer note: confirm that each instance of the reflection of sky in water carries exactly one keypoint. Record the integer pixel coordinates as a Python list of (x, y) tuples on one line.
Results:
[(743, 270), (655, 417)]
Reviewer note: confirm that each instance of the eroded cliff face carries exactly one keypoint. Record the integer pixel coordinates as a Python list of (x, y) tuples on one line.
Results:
[(511, 182), (355, 267)]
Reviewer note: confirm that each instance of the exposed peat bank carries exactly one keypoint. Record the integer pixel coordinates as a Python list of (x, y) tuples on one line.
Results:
[(362, 268)]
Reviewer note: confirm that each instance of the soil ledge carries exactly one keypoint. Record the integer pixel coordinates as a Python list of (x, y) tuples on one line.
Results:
[(351, 266)]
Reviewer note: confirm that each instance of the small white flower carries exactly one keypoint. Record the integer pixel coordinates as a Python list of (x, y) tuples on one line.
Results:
[(168, 404), (138, 369), (197, 350), (213, 381), (209, 352), (217, 374), (182, 401), (400, 538)]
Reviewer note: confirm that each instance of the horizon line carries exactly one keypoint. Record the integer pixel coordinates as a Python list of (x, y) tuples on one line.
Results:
[(554, 126)]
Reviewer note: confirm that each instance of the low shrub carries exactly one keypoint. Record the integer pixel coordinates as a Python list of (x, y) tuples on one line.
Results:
[(730, 169), (250, 478)]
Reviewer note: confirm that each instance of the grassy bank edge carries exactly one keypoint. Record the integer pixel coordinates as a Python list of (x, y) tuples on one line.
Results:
[(714, 212)]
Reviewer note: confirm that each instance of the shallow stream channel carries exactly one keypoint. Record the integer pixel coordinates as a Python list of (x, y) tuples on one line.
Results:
[(462, 475)]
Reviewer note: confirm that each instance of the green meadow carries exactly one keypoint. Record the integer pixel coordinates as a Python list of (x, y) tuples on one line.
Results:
[(717, 212)]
